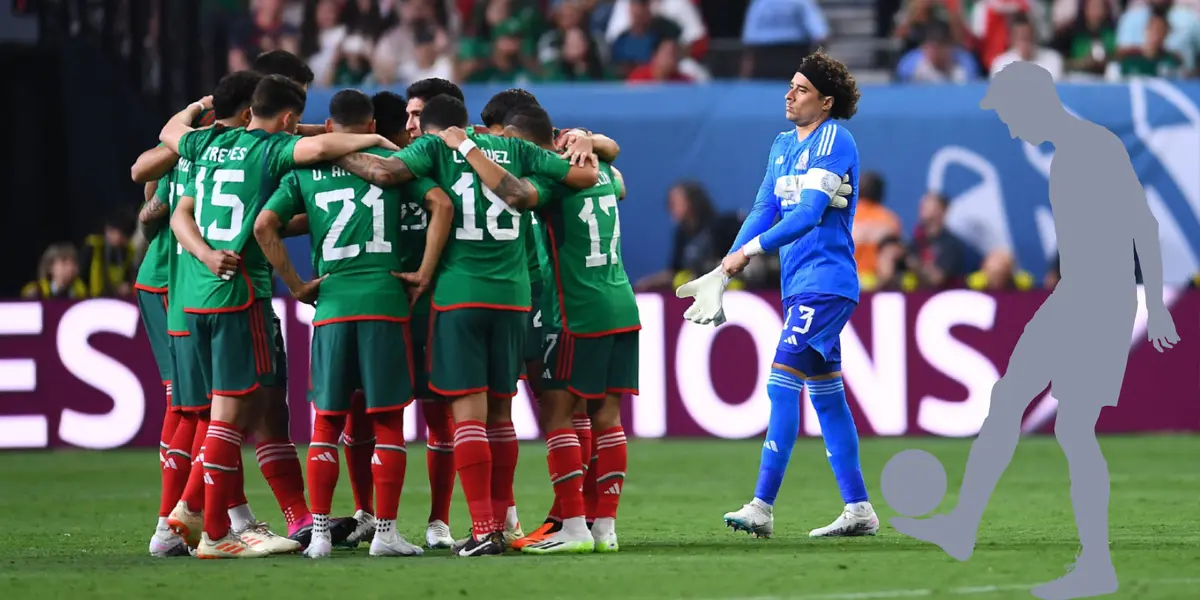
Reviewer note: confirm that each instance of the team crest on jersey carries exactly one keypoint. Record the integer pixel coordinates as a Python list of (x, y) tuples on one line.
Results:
[(802, 164)]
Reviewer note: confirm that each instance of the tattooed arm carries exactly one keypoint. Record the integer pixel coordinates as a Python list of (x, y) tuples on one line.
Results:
[(515, 192), (154, 213), (380, 171)]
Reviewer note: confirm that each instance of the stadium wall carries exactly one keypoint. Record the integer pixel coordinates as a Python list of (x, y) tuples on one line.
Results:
[(81, 374), (919, 137)]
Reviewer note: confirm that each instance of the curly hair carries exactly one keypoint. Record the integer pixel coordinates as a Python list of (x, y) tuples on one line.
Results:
[(836, 79)]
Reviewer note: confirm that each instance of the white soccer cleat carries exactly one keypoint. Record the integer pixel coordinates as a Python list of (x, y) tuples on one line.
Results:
[(393, 544), (321, 546), (573, 538), (437, 535), (856, 520), (604, 536), (364, 532), (164, 543), (259, 535), (230, 546), (755, 518)]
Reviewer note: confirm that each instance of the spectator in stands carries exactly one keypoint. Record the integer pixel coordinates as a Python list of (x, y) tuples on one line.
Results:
[(915, 17), (1050, 280), (419, 47), (506, 64), (577, 60), (777, 34), (1091, 40), (1025, 48), (891, 272), (663, 66), (57, 276), (1152, 59), (938, 257), (693, 35), (636, 45), (938, 60), (262, 30), (491, 20), (1183, 37), (999, 273), (694, 248), (428, 60), (109, 256), (990, 20), (873, 222), (322, 35), (351, 62), (370, 18)]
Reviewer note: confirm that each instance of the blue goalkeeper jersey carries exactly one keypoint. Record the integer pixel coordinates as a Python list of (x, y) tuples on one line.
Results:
[(816, 251)]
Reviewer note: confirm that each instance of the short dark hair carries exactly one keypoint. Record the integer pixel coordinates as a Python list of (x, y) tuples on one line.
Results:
[(870, 186), (427, 89), (443, 112), (351, 107), (234, 92), (496, 111), (840, 84), (276, 94), (390, 115), (1020, 18), (533, 121), (282, 62)]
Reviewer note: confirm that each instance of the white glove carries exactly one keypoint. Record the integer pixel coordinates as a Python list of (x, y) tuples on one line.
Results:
[(707, 291), (841, 198)]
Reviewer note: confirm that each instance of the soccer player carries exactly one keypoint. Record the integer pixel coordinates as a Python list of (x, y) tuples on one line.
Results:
[(805, 169), (439, 443), (227, 289), (482, 289), (361, 335), (592, 313), (230, 108)]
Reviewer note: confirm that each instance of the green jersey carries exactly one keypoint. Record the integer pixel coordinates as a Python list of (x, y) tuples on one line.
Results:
[(414, 222), (583, 241), (235, 172), (485, 263), (357, 239)]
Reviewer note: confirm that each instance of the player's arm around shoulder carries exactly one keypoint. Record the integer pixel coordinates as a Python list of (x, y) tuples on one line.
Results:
[(153, 164), (416, 160), (330, 146), (180, 125), (619, 182)]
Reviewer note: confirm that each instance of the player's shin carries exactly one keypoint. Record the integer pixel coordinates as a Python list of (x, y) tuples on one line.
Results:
[(563, 458), (323, 469), (583, 430), (359, 439), (166, 436), (473, 460), (439, 458), (222, 454), (783, 427), (828, 397), (178, 464), (277, 459), (389, 464), (502, 440), (610, 470)]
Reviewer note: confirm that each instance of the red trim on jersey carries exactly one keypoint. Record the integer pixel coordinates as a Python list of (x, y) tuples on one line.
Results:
[(194, 409), (480, 305), (361, 318), (384, 409), (258, 333), (583, 395), (248, 304), (599, 334), (633, 392), (152, 290), (505, 395), (562, 298), (178, 333), (234, 394), (456, 393), (332, 413)]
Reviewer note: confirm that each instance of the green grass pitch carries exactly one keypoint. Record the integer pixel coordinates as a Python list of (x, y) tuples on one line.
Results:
[(76, 525)]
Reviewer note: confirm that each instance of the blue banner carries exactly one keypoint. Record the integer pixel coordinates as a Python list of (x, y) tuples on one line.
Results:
[(919, 138)]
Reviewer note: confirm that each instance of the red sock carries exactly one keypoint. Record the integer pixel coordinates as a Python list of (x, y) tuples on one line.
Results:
[(502, 440), (281, 468), (389, 463), (323, 466), (439, 459), (222, 454), (610, 471), (583, 430), (170, 422), (178, 463), (193, 491), (473, 458), (359, 439), (566, 472)]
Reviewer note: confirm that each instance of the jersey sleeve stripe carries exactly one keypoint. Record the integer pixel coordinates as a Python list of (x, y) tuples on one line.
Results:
[(826, 144)]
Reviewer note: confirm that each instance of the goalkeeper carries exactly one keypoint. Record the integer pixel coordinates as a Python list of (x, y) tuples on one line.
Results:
[(807, 169)]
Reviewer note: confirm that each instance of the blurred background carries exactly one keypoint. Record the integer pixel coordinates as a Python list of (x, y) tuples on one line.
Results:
[(953, 228)]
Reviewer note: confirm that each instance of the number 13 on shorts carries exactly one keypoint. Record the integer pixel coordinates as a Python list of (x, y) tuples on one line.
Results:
[(799, 319)]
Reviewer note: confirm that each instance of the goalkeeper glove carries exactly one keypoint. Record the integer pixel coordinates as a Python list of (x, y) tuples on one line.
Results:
[(841, 199), (707, 291)]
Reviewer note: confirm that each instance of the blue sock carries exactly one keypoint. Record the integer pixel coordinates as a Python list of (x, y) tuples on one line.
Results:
[(783, 389), (828, 398)]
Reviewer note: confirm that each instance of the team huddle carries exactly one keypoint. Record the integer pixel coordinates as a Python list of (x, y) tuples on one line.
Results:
[(450, 262)]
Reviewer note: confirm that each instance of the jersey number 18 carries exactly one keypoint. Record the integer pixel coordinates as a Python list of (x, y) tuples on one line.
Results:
[(465, 188)]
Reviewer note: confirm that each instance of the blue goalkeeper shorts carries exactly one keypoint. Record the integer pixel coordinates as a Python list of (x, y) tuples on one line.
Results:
[(812, 328)]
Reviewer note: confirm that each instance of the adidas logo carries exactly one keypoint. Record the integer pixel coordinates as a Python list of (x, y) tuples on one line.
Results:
[(614, 489), (546, 374), (325, 457), (770, 445), (791, 339), (208, 479), (375, 460), (169, 464)]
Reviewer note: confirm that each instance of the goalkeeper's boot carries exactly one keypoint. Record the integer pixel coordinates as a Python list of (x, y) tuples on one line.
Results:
[(186, 524), (512, 527), (364, 532), (572, 538), (755, 518), (164, 543), (391, 543), (547, 529), (488, 545), (230, 546), (856, 519), (604, 533), (437, 535), (258, 535)]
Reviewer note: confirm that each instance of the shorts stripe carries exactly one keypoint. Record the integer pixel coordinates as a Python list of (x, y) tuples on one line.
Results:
[(429, 343), (408, 352), (258, 334)]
